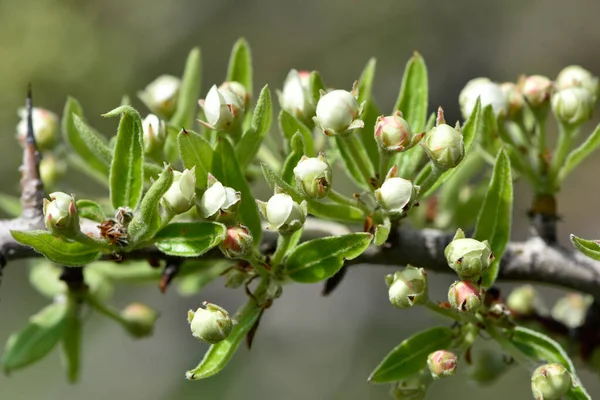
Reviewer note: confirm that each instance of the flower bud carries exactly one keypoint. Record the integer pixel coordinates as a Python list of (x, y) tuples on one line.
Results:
[(487, 91), (51, 170), (237, 243), (155, 133), (223, 109), (160, 96), (219, 203), (412, 388), (181, 196), (441, 363), (393, 133), (576, 76), (550, 382), (396, 194), (338, 112), (572, 309), (514, 98), (487, 365), (573, 105), (239, 90), (283, 214), (468, 257), (313, 176), (45, 128), (407, 287), (61, 215), (296, 97), (140, 319), (444, 146), (537, 90), (465, 296), (524, 300), (210, 324)]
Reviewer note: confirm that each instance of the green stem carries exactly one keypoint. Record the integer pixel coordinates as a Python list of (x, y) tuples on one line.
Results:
[(508, 346), (258, 265), (565, 142), (384, 163), (433, 176), (106, 310), (98, 243), (446, 312), (283, 245), (339, 198), (360, 157)]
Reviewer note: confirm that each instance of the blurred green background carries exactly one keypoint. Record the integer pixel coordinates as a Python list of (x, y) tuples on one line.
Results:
[(308, 347)]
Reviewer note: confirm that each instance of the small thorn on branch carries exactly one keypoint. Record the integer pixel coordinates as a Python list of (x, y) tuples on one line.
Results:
[(169, 272)]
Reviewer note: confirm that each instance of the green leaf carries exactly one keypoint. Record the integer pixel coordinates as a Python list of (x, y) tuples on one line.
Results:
[(126, 170), (218, 355), (495, 215), (193, 284), (189, 239), (147, 220), (44, 277), (289, 125), (189, 92), (351, 166), (382, 232), (74, 139), (472, 129), (250, 142), (412, 159), (590, 248), (227, 170), (11, 205), (319, 259), (57, 249), (411, 355), (43, 332), (197, 152), (90, 210), (240, 64), (543, 349), (577, 156), (315, 84), (370, 112), (171, 147), (71, 342), (95, 145), (287, 172), (413, 97)]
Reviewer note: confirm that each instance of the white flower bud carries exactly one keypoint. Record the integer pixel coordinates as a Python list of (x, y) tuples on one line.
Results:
[(45, 128), (573, 105), (296, 97), (210, 324), (239, 90), (160, 96), (550, 382), (444, 146), (514, 98), (313, 176), (487, 91), (223, 109), (537, 90), (338, 112), (407, 287), (393, 133), (219, 203), (468, 257), (396, 194), (283, 214), (155, 133), (61, 215), (576, 76), (181, 196)]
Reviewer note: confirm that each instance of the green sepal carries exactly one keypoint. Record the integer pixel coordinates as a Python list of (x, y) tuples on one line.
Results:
[(319, 259), (189, 92), (289, 125), (189, 239), (196, 151), (248, 145), (240, 64), (57, 249)]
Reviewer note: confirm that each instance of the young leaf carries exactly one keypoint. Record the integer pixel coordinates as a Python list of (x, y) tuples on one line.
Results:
[(495, 215), (11, 205), (73, 138), (287, 173), (541, 348), (316, 85), (413, 97), (218, 355), (126, 170), (227, 170), (580, 154), (57, 249), (44, 330), (193, 284), (71, 342), (189, 239), (196, 151), (189, 92), (90, 210), (349, 159), (590, 248), (240, 64), (319, 259), (411, 355), (289, 125), (147, 220), (382, 231), (171, 147), (472, 129), (249, 144), (95, 146), (370, 112)]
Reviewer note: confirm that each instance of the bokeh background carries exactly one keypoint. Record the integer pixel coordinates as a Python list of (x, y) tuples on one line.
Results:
[(308, 347)]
